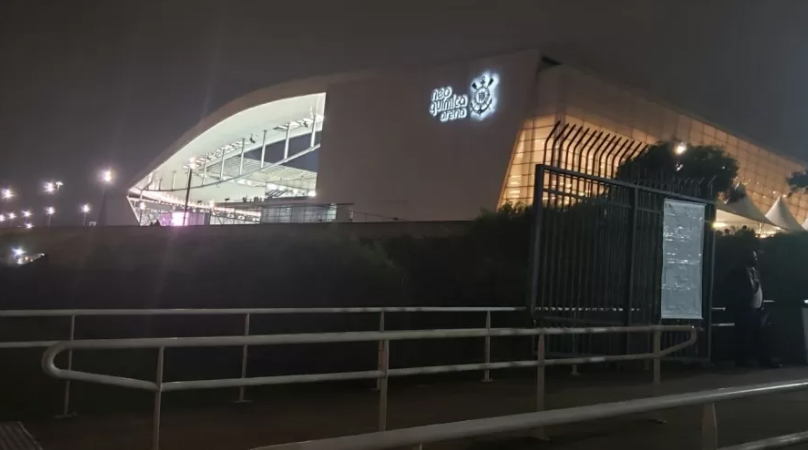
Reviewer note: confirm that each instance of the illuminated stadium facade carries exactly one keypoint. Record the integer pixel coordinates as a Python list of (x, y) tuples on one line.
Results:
[(429, 144)]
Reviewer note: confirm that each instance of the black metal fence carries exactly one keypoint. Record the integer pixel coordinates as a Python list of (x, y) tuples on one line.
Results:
[(597, 258)]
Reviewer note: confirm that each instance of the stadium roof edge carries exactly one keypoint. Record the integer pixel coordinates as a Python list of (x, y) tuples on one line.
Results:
[(258, 97)]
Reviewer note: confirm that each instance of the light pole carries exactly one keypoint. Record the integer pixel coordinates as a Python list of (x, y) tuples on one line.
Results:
[(50, 211), (85, 208), (107, 176), (188, 191)]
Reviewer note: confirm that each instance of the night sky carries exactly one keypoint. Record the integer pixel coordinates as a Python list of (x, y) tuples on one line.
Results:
[(91, 84)]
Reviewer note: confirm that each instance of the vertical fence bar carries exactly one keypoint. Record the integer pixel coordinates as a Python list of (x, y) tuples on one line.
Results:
[(380, 351), (487, 373), (385, 367), (158, 399), (535, 249), (709, 428), (628, 302), (66, 402), (540, 381), (244, 350)]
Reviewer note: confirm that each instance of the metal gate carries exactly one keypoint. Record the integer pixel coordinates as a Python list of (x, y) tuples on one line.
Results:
[(596, 260)]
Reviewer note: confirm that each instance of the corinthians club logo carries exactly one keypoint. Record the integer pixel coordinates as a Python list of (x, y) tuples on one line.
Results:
[(479, 103)]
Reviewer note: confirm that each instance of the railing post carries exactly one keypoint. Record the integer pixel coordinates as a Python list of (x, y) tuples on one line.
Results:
[(244, 359), (709, 428), (540, 381), (384, 362), (158, 398), (66, 402), (380, 350), (657, 360), (657, 384), (487, 373)]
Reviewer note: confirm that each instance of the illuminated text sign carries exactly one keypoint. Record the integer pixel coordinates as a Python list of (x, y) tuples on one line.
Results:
[(479, 103)]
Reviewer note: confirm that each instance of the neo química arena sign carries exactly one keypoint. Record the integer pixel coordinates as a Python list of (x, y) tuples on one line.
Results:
[(479, 103)]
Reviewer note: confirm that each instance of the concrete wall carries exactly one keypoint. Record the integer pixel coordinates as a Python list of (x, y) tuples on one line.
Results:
[(385, 153)]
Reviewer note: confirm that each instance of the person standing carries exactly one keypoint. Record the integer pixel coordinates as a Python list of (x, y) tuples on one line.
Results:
[(751, 319)]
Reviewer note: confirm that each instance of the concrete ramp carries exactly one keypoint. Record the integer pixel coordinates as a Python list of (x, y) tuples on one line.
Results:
[(14, 436)]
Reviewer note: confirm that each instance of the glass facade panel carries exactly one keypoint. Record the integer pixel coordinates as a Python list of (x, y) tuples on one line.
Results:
[(592, 103)]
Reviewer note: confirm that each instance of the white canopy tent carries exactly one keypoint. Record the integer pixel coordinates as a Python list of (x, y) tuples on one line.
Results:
[(780, 215)]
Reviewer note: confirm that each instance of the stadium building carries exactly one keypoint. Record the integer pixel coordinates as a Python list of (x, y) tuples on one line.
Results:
[(435, 143)]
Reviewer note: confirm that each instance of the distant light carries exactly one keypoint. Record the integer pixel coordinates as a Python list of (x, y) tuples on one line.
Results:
[(29, 225), (18, 251), (50, 188), (177, 219), (107, 176), (719, 225), (2, 218), (12, 216), (7, 194), (50, 210), (312, 194), (85, 208), (680, 148), (26, 213), (142, 205), (59, 184), (679, 167)]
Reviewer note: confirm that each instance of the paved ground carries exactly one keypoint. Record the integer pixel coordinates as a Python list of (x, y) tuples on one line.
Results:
[(311, 412)]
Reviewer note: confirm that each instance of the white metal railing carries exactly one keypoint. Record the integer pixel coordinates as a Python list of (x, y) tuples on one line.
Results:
[(382, 373), (247, 313), (417, 436)]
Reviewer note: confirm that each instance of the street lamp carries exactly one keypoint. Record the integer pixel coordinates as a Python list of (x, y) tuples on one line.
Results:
[(680, 148), (7, 194), (85, 208), (191, 165), (50, 211), (26, 214), (107, 176)]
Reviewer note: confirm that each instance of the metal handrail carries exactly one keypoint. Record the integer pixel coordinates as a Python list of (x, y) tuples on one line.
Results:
[(417, 436), (247, 313), (382, 374), (242, 311), (49, 365)]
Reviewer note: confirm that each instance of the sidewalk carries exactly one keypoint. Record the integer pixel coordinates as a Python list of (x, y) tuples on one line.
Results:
[(312, 412)]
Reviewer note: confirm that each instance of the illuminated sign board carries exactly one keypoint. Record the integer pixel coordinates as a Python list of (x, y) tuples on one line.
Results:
[(479, 103)]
